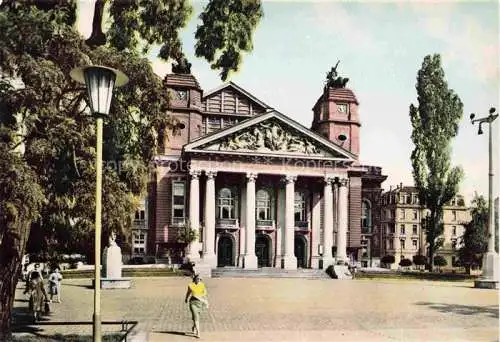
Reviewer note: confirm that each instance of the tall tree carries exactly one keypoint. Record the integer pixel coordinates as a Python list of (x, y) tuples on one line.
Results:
[(435, 123), (46, 113), (475, 239)]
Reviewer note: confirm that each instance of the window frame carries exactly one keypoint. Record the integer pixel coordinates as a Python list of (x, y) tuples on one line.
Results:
[(178, 220)]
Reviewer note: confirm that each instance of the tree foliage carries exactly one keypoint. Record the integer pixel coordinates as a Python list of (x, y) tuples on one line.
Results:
[(405, 263), (440, 261), (388, 259), (226, 31), (48, 134), (474, 241), (435, 123)]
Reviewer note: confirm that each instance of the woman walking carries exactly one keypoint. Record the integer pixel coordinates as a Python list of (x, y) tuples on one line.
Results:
[(196, 295), (55, 284), (38, 295)]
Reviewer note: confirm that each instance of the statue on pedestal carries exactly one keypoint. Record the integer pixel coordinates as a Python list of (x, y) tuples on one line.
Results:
[(333, 80), (112, 259)]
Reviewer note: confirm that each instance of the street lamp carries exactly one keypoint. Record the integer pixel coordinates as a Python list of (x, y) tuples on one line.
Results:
[(100, 82), (490, 259)]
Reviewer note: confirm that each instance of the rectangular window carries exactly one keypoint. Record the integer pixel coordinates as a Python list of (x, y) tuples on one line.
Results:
[(454, 244), (414, 242), (415, 229), (402, 214), (454, 230), (393, 228), (454, 215), (403, 244), (391, 244), (403, 232), (415, 214), (178, 202)]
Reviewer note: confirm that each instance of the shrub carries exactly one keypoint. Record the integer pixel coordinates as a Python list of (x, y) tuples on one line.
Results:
[(440, 261), (419, 260), (405, 263), (388, 259), (329, 270)]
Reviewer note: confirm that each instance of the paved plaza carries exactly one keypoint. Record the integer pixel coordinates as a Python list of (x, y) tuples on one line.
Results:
[(284, 310)]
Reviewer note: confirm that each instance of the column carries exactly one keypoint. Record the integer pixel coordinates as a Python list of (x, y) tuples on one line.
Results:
[(250, 259), (343, 214), (315, 229), (289, 260), (243, 224), (209, 231), (280, 226), (194, 214), (327, 223)]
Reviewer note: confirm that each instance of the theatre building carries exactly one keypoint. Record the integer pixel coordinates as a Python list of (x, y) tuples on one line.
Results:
[(258, 188)]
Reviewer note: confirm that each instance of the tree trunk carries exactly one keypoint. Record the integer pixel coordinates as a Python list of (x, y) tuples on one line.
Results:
[(431, 239), (11, 250)]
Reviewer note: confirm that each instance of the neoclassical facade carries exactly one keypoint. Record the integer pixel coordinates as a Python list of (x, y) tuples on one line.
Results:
[(258, 188)]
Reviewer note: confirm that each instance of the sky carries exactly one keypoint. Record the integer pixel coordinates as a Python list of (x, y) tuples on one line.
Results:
[(381, 46)]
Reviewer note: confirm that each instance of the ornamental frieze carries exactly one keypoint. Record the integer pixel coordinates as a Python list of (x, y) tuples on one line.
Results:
[(269, 137)]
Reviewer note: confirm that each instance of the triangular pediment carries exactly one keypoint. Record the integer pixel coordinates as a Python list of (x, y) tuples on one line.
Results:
[(273, 134), (230, 98)]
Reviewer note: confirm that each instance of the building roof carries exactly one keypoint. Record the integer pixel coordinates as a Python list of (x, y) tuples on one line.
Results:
[(181, 80), (238, 89)]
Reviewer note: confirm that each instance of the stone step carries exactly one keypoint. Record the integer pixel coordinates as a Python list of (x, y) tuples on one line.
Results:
[(268, 273)]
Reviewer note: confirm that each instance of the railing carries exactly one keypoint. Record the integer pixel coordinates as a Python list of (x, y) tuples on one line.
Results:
[(301, 225), (227, 223), (265, 224), (139, 224)]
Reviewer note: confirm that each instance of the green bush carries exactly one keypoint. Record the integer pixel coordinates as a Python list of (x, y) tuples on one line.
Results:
[(405, 263), (440, 261), (388, 259), (419, 260)]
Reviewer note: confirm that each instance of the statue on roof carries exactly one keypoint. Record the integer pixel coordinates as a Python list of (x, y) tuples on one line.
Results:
[(333, 80), (181, 66)]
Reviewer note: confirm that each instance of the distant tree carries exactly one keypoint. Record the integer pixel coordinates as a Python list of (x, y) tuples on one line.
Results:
[(419, 260), (435, 123), (475, 238)]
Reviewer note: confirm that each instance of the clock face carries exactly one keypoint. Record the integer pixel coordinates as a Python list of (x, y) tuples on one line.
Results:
[(342, 108), (182, 94)]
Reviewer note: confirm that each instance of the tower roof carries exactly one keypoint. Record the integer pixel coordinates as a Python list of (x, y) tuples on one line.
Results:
[(181, 80)]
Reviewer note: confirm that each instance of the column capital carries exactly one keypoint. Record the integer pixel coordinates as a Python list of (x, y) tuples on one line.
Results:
[(194, 173), (251, 176), (329, 180), (211, 174), (343, 182), (289, 179)]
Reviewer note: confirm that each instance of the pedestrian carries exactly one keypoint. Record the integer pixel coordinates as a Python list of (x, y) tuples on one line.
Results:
[(55, 284), (196, 296), (36, 270), (38, 295)]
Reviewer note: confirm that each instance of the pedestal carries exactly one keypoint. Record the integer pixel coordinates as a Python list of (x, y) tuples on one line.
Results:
[(250, 262), (490, 272), (289, 263)]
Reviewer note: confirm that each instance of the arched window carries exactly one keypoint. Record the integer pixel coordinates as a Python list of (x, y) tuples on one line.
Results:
[(226, 204), (300, 206), (263, 205), (366, 217)]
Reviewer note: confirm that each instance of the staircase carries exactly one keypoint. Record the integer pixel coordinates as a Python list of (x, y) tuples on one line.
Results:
[(268, 272)]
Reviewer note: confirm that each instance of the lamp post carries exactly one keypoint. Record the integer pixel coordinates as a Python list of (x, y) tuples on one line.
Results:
[(490, 259), (100, 82)]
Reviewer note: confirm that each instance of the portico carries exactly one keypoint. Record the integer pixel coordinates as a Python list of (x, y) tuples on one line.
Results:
[(270, 206)]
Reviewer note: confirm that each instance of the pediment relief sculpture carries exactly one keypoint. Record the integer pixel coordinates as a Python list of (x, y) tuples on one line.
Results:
[(269, 137)]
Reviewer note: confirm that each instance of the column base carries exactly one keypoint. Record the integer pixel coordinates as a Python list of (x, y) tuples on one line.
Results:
[(239, 261), (209, 259), (193, 253), (490, 266), (315, 262), (342, 258), (289, 263), (327, 261), (250, 262)]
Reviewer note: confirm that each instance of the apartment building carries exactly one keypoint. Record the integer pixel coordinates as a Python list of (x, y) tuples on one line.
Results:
[(401, 231)]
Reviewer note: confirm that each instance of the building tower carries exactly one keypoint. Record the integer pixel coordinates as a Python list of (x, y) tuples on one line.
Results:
[(336, 113)]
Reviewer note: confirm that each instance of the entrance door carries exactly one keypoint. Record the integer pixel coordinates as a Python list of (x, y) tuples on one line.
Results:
[(225, 251), (300, 251), (262, 251)]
